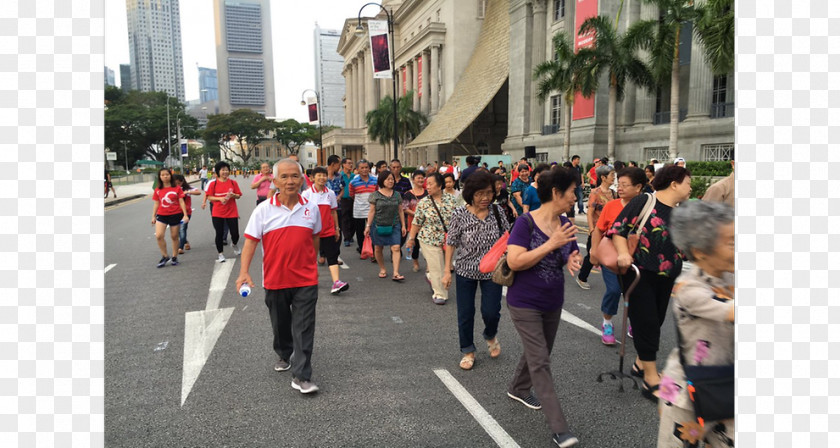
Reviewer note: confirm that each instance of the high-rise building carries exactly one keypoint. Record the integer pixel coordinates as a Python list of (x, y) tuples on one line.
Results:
[(154, 40), (109, 77), (125, 78), (208, 84), (244, 58), (328, 80)]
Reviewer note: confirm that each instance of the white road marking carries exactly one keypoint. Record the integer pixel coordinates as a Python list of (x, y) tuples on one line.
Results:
[(162, 346), (396, 319), (584, 306), (110, 266), (499, 435), (344, 265), (218, 283), (245, 308), (201, 331)]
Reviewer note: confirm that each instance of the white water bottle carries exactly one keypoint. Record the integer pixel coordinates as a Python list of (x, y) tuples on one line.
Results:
[(245, 290), (408, 253)]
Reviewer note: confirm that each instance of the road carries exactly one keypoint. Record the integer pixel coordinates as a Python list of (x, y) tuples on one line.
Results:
[(189, 363)]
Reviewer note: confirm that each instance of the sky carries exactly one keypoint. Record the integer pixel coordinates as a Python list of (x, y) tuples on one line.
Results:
[(292, 27)]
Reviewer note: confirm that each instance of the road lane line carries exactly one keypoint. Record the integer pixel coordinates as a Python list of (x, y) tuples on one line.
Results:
[(110, 266), (218, 283), (499, 435), (201, 331)]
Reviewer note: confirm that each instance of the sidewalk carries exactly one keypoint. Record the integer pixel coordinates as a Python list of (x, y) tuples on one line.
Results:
[(139, 190)]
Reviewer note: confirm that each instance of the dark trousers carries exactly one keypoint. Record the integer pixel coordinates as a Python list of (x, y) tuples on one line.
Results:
[(232, 224), (345, 217), (226, 231), (647, 310), (330, 249), (292, 313), (587, 265), (491, 307), (360, 232), (579, 196), (260, 199), (537, 329)]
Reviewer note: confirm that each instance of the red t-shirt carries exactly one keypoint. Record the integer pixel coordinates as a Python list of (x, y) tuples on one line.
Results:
[(608, 215), (168, 198), (219, 189), (326, 202), (593, 178), (188, 200)]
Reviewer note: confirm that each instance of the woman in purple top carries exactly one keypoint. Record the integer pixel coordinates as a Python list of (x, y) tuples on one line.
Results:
[(540, 245)]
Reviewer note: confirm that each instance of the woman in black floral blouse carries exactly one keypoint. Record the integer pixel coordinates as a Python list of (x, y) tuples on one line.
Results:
[(659, 262)]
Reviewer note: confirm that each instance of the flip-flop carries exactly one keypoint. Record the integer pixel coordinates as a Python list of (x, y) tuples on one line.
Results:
[(382, 275), (495, 348), (398, 278), (467, 362)]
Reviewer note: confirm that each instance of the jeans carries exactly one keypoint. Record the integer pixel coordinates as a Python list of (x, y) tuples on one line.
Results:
[(579, 196), (609, 303), (183, 233), (491, 307)]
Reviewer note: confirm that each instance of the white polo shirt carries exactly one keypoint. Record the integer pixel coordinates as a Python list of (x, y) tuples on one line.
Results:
[(289, 258)]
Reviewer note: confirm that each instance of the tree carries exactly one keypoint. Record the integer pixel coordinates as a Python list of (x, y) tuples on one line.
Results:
[(716, 29), (244, 126), (293, 134), (561, 75), (616, 53), (410, 123), (662, 39)]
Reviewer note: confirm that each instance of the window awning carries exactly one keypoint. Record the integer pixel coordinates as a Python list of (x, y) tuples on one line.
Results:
[(485, 74)]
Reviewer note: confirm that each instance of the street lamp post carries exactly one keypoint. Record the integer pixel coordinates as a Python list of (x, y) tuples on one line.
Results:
[(318, 109), (125, 151), (178, 137), (360, 31)]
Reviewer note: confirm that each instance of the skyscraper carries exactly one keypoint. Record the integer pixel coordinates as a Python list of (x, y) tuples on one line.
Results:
[(208, 84), (125, 78), (328, 79), (154, 40), (244, 60), (109, 77)]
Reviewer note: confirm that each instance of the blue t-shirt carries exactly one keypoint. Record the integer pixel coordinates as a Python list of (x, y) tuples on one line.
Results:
[(541, 286), (531, 199)]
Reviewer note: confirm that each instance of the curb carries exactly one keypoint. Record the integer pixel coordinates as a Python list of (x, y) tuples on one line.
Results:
[(124, 199)]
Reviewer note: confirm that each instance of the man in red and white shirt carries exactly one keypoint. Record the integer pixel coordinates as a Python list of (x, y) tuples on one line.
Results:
[(330, 233), (288, 227)]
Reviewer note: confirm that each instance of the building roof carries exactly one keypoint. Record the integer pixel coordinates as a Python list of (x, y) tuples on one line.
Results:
[(485, 74)]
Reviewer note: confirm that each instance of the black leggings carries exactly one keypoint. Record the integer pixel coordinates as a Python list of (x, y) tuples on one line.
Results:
[(360, 224), (587, 265), (647, 310), (219, 225)]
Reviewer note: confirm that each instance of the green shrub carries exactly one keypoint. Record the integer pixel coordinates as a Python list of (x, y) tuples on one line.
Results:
[(408, 170), (717, 168), (699, 185)]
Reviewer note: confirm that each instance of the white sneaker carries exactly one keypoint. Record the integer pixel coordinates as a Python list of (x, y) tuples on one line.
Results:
[(221, 258), (582, 284), (236, 250)]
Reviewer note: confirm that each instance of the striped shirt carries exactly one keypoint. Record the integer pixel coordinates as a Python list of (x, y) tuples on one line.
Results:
[(360, 192)]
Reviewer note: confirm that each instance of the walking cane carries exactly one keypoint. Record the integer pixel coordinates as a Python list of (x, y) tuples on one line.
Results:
[(619, 374)]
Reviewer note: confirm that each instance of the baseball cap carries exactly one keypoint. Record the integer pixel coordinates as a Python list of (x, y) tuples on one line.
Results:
[(678, 160)]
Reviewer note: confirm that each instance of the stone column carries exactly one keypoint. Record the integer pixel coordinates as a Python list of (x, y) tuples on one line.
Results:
[(370, 85), (415, 99), (646, 102), (700, 82), (409, 75), (351, 94), (537, 56), (519, 81), (628, 106), (434, 88), (348, 83), (424, 103), (362, 89)]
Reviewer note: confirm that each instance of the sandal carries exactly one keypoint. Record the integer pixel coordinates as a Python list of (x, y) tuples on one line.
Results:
[(636, 371), (648, 390), (383, 275), (467, 361), (495, 348), (398, 278)]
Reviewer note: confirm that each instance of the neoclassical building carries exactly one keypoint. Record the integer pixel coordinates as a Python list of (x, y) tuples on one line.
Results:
[(481, 98)]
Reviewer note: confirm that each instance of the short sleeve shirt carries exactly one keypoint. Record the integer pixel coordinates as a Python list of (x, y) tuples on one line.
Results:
[(168, 198), (541, 286), (474, 237), (289, 258), (531, 199), (326, 202), (597, 200), (262, 189), (410, 201), (516, 186), (336, 184), (360, 191), (608, 215), (656, 252), (219, 189), (431, 227), (387, 208), (188, 199)]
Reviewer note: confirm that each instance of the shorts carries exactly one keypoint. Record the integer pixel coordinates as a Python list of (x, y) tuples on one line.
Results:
[(170, 220), (330, 249)]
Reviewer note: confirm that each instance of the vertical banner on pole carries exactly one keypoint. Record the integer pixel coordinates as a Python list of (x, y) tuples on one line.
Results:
[(378, 32), (403, 80), (184, 150), (584, 9), (419, 76), (312, 107)]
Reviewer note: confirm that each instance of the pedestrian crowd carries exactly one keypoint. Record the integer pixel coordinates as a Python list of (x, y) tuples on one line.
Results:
[(483, 229)]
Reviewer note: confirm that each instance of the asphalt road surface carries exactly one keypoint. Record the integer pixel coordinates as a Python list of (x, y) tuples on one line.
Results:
[(189, 363)]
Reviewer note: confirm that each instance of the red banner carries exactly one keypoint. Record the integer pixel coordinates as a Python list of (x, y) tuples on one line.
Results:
[(420, 76), (403, 80), (313, 113), (584, 9)]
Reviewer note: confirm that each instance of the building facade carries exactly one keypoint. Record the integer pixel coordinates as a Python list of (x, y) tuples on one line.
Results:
[(125, 78), (328, 80), (109, 77), (154, 40), (244, 59), (208, 84)]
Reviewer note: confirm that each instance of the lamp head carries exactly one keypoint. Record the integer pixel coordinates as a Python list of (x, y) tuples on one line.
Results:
[(302, 103), (360, 30)]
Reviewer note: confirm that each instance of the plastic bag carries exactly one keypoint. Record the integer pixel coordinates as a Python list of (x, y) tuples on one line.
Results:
[(367, 248), (491, 258)]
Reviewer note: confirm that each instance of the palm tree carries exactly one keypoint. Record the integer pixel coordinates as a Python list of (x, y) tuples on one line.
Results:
[(662, 39), (380, 121), (617, 53), (716, 29), (561, 75)]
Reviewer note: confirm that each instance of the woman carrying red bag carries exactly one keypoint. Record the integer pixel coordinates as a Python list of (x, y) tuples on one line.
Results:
[(473, 229)]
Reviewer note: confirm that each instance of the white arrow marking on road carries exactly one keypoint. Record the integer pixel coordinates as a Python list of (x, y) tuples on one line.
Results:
[(110, 266), (202, 328), (499, 435), (201, 331)]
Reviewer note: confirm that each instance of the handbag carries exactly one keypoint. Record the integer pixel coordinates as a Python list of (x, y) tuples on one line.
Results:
[(502, 273), (491, 258), (710, 388), (440, 216), (606, 253)]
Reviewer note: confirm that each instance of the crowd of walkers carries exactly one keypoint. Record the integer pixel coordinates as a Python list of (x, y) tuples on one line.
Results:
[(457, 220)]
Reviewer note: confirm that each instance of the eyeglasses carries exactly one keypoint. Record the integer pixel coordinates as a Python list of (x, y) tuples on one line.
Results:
[(484, 194)]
